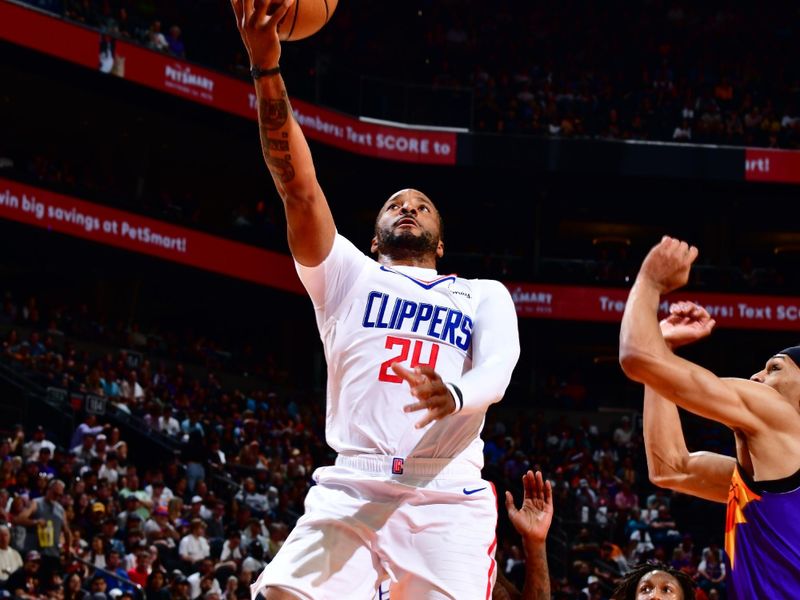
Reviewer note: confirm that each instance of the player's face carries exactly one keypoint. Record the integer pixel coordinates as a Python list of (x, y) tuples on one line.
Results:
[(658, 585), (408, 224), (782, 374)]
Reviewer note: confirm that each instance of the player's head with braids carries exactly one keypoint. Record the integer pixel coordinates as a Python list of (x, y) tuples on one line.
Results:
[(653, 573)]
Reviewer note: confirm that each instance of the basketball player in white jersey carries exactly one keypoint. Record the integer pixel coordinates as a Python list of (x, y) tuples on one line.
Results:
[(414, 358)]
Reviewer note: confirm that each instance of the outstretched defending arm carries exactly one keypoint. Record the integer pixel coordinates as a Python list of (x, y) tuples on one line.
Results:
[(532, 521), (669, 462), (646, 358), (310, 226)]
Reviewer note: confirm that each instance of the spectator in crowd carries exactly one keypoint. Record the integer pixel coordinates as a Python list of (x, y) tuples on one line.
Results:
[(215, 523), (277, 535), (84, 452), (26, 581), (194, 546), (156, 588), (98, 586), (131, 390), (711, 573), (159, 531), (115, 575), (30, 451), (202, 581), (626, 499), (252, 498), (96, 556), (592, 591), (73, 587), (255, 532), (663, 529), (88, 425), (10, 560), (179, 587), (175, 43), (47, 518), (139, 573), (159, 493), (167, 423)]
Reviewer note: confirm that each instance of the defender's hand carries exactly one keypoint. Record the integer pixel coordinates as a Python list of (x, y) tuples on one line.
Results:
[(257, 21), (532, 520), (430, 390), (668, 263), (687, 322)]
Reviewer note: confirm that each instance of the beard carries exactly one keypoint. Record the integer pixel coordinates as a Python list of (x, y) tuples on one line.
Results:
[(403, 244)]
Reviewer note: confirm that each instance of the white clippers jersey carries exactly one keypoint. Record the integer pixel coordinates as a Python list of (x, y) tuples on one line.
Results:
[(370, 316)]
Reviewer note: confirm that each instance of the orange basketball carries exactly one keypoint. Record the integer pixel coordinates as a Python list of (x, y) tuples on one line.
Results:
[(305, 18)]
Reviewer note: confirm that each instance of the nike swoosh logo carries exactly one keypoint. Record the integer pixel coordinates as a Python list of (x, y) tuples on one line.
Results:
[(470, 492)]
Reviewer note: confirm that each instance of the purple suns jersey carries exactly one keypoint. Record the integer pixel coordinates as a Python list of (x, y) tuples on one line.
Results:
[(371, 315), (762, 537)]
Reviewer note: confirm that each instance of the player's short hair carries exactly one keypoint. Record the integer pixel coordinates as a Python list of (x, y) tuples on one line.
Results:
[(438, 212), (626, 589)]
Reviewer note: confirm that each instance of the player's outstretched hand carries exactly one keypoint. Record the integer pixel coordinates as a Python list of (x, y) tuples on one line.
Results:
[(532, 520), (257, 21), (687, 322), (668, 263), (429, 390)]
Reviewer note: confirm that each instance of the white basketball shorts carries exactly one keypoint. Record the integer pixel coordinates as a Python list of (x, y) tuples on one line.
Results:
[(427, 524)]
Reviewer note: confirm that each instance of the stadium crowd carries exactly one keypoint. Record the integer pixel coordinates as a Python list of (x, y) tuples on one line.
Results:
[(655, 70), (205, 519)]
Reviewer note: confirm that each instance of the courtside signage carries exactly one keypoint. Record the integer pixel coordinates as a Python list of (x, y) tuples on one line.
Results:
[(63, 214), (370, 139), (97, 223), (118, 58), (765, 164), (607, 305)]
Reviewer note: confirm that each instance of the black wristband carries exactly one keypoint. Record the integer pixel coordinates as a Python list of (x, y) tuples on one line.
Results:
[(258, 72), (458, 396)]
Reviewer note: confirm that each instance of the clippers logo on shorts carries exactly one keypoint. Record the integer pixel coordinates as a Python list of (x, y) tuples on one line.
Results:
[(397, 466), (446, 324)]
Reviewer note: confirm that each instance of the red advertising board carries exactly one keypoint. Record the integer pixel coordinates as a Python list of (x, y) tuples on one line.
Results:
[(165, 73), (32, 29), (48, 210), (63, 214), (766, 164), (607, 304)]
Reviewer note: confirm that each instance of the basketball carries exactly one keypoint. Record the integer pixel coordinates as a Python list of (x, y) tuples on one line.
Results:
[(305, 18)]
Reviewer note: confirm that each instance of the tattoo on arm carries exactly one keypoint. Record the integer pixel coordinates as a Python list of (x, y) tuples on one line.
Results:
[(281, 168), (273, 115)]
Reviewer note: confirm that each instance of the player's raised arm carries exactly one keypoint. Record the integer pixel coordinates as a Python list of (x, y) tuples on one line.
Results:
[(646, 358), (669, 462), (532, 521), (310, 226)]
